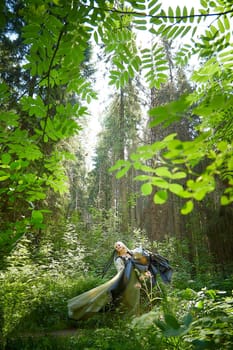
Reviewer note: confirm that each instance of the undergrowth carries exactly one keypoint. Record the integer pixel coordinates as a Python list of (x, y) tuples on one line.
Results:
[(188, 314)]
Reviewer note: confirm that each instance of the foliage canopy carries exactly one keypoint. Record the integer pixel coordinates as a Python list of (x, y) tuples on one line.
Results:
[(52, 95)]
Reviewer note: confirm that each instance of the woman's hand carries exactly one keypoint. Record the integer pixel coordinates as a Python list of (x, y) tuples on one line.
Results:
[(146, 275)]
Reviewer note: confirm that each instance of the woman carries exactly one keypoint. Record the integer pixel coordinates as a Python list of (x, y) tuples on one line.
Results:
[(123, 290)]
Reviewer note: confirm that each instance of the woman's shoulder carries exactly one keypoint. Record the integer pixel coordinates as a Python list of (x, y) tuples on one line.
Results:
[(119, 262)]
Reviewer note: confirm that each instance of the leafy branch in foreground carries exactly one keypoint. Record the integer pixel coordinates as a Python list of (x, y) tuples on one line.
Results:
[(42, 115), (211, 102), (175, 165), (171, 15)]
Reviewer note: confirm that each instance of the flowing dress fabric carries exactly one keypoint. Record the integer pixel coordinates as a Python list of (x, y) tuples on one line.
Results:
[(122, 291), (125, 292), (93, 300)]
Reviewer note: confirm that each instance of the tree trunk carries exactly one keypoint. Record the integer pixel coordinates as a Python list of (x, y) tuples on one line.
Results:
[(123, 181)]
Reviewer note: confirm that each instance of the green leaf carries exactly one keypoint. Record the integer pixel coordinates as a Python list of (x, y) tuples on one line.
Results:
[(96, 38), (35, 106), (192, 12), (146, 189), (6, 158), (155, 9), (204, 3), (163, 172), (142, 178), (171, 14), (37, 218), (170, 137), (222, 146), (226, 22), (147, 168), (187, 29), (4, 177), (123, 171), (221, 26), (178, 175), (185, 14), (171, 321), (225, 200), (176, 188), (160, 197), (136, 63), (152, 3), (200, 194), (187, 208), (33, 195), (139, 6), (170, 112), (140, 21), (199, 304), (119, 164), (131, 72), (9, 118), (159, 182), (171, 33), (178, 11), (119, 65), (187, 320)]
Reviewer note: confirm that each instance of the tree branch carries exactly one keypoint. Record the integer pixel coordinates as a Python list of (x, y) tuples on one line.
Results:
[(143, 14), (48, 76)]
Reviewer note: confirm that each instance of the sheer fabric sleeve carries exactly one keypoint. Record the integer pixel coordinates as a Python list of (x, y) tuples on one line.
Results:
[(119, 264)]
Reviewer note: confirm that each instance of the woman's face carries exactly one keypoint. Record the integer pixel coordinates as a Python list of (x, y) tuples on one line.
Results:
[(120, 248)]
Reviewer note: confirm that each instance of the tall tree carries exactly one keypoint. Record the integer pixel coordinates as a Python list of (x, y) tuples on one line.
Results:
[(117, 139)]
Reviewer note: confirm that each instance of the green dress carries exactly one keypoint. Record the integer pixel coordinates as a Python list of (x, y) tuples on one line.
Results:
[(123, 290), (125, 295)]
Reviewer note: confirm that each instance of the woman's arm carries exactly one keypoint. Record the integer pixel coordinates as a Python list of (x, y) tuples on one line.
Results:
[(119, 263)]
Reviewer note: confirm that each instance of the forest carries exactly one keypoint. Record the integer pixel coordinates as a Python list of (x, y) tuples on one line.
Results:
[(116, 124)]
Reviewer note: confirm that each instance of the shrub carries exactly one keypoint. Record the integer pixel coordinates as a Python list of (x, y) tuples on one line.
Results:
[(190, 320)]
